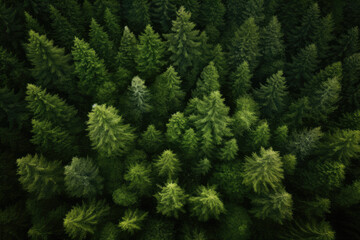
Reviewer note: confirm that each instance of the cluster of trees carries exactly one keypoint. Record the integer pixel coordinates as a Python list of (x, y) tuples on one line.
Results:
[(188, 119)]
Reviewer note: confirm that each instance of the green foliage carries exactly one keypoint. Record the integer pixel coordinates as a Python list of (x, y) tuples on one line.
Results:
[(350, 83), (33, 24), (349, 195), (297, 112), (241, 80), (176, 128), (139, 177), (190, 143), (348, 43), (246, 116), (280, 137), (170, 200), (324, 36), (139, 98), (107, 132), (236, 224), (152, 140), (112, 26), (158, 229), (138, 15), (313, 230), (203, 166), (83, 219), (82, 178), (208, 82), (289, 163), (124, 197), (168, 164), (263, 172), (132, 221), (127, 50), (109, 232), (303, 143), (259, 136), (39, 176), (163, 12), (229, 151)]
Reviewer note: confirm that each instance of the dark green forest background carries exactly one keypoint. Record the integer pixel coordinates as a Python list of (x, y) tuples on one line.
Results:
[(179, 119)]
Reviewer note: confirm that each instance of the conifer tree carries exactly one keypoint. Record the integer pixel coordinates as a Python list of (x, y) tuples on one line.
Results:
[(303, 143), (12, 71), (168, 95), (82, 178), (348, 43), (289, 163), (51, 64), (189, 143), (127, 50), (229, 151), (82, 219), (64, 32), (241, 80), (191, 6), (33, 24), (163, 12), (350, 83), (275, 206), (349, 195), (107, 132), (175, 128), (298, 111), (100, 42), (132, 220), (246, 115), (220, 62), (324, 35), (170, 200), (138, 175), (88, 10), (212, 17), (263, 172), (89, 68), (272, 96), (39, 176), (206, 204), (236, 224), (123, 196), (152, 140), (139, 98), (212, 121), (203, 166), (139, 15), (112, 27), (312, 229), (183, 42), (280, 137), (109, 232), (168, 164), (245, 45), (208, 82), (259, 136), (255, 9), (149, 58)]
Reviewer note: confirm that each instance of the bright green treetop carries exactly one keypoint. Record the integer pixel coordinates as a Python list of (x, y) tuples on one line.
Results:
[(170, 200)]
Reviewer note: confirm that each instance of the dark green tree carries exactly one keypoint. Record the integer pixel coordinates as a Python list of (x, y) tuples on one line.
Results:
[(289, 163), (240, 80), (236, 224), (138, 15), (123, 196), (138, 176), (132, 220), (348, 43), (163, 12), (350, 83), (229, 151), (112, 26), (170, 200), (168, 164), (176, 127), (324, 36), (297, 112), (315, 230), (127, 50), (208, 82), (259, 136), (33, 24), (203, 166), (212, 17), (349, 195), (190, 143), (152, 140)]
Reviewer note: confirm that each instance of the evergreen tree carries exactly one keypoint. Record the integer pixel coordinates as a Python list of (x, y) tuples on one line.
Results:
[(39, 176), (89, 68), (168, 164), (82, 178), (170, 200), (168, 95), (208, 82), (139, 98), (127, 50), (33, 24), (109, 232), (298, 111), (191, 6), (289, 163), (112, 27), (245, 45), (100, 42), (212, 17), (51, 64), (212, 121), (176, 128), (189, 143), (259, 136), (312, 229), (280, 137), (163, 12), (246, 115), (348, 43), (124, 197), (152, 140), (132, 220), (206, 204), (229, 151), (150, 55), (276, 206), (183, 42), (138, 175), (255, 9), (63, 31), (241, 80), (263, 172), (203, 166), (220, 62), (236, 224), (350, 83), (304, 143), (81, 220), (324, 36), (107, 132), (272, 96), (349, 195), (139, 15)]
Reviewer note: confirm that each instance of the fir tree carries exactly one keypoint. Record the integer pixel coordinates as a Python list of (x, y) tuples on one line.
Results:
[(203, 166), (163, 12), (212, 17), (176, 128), (124, 197), (189, 143), (139, 98), (152, 140), (82, 178), (127, 50), (168, 164), (297, 112), (138, 175), (304, 143), (263, 172), (276, 206), (206, 204), (246, 115), (139, 15), (208, 82), (149, 58), (289, 163), (191, 6), (349, 195), (245, 45), (272, 96), (259, 136), (51, 64), (107, 132), (229, 151), (348, 43), (236, 224), (109, 232), (280, 137), (39, 176), (241, 80), (33, 24), (89, 68), (183, 42), (81, 220), (132, 220), (112, 27), (220, 62), (170, 200), (350, 83), (324, 36)]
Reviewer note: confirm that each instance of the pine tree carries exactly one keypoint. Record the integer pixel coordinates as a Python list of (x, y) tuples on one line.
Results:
[(82, 220), (314, 230), (107, 132), (176, 128), (132, 220), (163, 12), (150, 55), (101, 5), (138, 98), (168, 95), (138, 175), (276, 206), (89, 68), (170, 200), (138, 15), (241, 80), (168, 164), (82, 178), (123, 196), (206, 204), (88, 10), (255, 9), (51, 64), (272, 96), (183, 42), (112, 26), (189, 143), (33, 24), (39, 176), (127, 50), (229, 151), (212, 121), (100, 42), (152, 140), (263, 172), (348, 43), (245, 45), (259, 136), (208, 82), (63, 31)]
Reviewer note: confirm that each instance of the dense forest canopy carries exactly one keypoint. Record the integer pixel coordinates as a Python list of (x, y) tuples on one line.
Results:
[(179, 119)]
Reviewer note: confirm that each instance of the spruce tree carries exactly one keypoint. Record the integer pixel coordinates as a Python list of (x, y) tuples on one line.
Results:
[(348, 43), (138, 99), (189, 143), (127, 50), (304, 142), (152, 140), (259, 136), (289, 163), (89, 68), (132, 220), (138, 176), (297, 112), (170, 200), (175, 128), (263, 172), (349, 195), (245, 45), (39, 176), (206, 204), (350, 83), (240, 80), (203, 166), (183, 42), (139, 15), (324, 36), (82, 178), (229, 151), (151, 49), (212, 17), (280, 137), (208, 82), (112, 27), (33, 24), (168, 164), (220, 62), (163, 12), (123, 196), (51, 65), (107, 132), (236, 224), (83, 219)]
